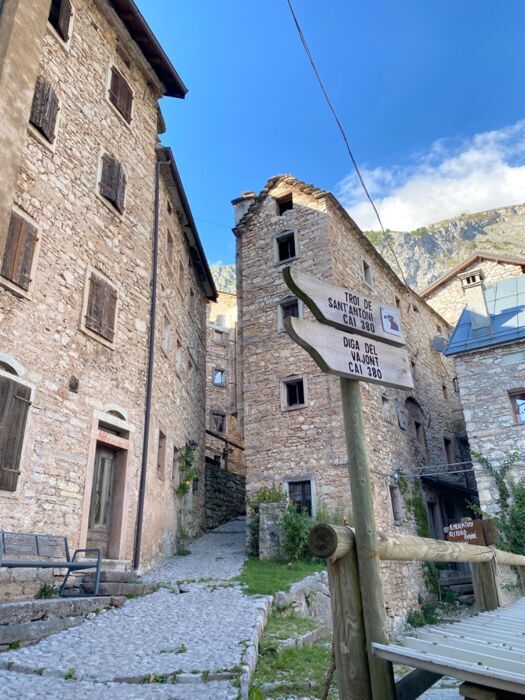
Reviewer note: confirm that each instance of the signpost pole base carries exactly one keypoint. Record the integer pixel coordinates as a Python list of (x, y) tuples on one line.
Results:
[(381, 675)]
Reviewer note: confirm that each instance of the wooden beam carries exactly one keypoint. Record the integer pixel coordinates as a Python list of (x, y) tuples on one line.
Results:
[(331, 541), (486, 589)]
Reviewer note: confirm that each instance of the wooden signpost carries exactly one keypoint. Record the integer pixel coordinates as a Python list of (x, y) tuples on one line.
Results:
[(364, 344)]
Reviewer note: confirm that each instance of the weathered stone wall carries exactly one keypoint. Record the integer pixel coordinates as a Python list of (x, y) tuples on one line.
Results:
[(449, 299), (271, 530), (225, 496), (309, 442), (41, 332), (485, 379)]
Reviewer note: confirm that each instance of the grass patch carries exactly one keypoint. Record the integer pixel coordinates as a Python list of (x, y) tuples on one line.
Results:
[(292, 672), (267, 577), (281, 627)]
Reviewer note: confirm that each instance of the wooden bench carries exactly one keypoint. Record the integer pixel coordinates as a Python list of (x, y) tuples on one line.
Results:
[(27, 551)]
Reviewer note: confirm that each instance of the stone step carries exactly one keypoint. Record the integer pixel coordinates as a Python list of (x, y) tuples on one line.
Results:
[(454, 580), (112, 576), (467, 599), (49, 609), (461, 588), (116, 588), (32, 631)]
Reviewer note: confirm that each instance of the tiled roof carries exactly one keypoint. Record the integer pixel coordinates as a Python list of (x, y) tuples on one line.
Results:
[(506, 306)]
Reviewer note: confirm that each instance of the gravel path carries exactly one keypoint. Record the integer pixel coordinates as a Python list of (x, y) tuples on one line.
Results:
[(200, 635)]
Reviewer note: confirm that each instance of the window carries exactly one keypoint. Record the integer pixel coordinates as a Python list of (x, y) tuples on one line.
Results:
[(101, 308), (284, 203), (300, 493), (397, 506), (439, 329), (175, 466), (178, 357), (398, 302), (218, 422), (286, 308), (285, 246), (44, 109), (218, 377), (386, 409), (518, 406), (60, 17), (19, 251), (445, 391), (449, 450), (219, 337), (161, 455), (169, 208), (420, 434), (169, 247), (113, 181), (367, 273), (294, 393), (455, 383), (120, 94), (166, 337), (181, 275), (15, 399), (415, 309)]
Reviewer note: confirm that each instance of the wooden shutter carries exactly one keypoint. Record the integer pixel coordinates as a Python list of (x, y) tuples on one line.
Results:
[(120, 94), (101, 309), (44, 109), (64, 19), (14, 405), (19, 251), (121, 189), (113, 181)]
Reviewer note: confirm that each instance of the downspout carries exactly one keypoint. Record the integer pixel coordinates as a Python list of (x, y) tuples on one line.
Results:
[(149, 377)]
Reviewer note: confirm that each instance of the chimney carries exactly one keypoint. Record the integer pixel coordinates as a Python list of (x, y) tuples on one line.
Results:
[(242, 204), (474, 290)]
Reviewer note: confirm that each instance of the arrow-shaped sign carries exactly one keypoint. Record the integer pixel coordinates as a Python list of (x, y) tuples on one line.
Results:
[(351, 356), (347, 310)]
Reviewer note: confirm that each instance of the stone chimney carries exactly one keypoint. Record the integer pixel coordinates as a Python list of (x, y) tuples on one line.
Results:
[(474, 290), (242, 204)]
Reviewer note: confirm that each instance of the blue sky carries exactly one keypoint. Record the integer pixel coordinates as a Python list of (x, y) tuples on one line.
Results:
[(430, 93)]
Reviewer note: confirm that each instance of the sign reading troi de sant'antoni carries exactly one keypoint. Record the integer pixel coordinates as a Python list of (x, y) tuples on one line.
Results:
[(344, 309), (352, 356)]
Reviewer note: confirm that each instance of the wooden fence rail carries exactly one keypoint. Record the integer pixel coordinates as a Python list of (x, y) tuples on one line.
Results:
[(336, 544)]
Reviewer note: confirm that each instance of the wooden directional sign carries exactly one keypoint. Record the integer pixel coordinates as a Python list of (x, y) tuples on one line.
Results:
[(350, 356), (346, 310), (469, 531)]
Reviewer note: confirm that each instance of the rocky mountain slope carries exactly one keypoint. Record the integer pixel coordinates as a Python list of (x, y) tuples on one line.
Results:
[(427, 253)]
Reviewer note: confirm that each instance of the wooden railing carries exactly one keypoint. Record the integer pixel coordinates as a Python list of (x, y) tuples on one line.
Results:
[(352, 623)]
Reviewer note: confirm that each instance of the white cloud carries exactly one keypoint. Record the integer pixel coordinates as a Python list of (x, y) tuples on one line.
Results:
[(485, 172)]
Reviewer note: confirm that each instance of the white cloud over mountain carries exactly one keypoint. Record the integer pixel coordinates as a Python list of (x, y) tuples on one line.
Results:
[(452, 178)]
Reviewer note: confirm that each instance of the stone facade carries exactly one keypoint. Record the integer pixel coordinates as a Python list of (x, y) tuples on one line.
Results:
[(87, 392), (225, 447), (405, 431), (485, 379), (225, 496), (446, 295)]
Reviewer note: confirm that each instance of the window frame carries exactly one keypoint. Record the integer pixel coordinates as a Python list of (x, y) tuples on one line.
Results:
[(301, 478), (284, 200), (111, 344), (512, 394), (282, 234), (222, 383), (5, 281), (109, 79), (64, 43), (217, 412), (366, 273), (108, 202), (283, 302), (162, 443), (284, 392)]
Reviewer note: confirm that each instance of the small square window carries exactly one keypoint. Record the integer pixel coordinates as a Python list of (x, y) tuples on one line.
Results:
[(300, 493), (285, 246), (518, 405), (60, 17), (415, 309), (161, 455), (398, 302), (218, 422), (284, 203), (286, 309), (294, 394), (367, 273), (218, 377)]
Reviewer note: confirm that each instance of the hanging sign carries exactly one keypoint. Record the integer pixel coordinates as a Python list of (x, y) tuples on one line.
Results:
[(467, 531), (351, 356), (344, 309)]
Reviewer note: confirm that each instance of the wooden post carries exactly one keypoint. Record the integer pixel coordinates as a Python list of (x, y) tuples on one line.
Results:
[(351, 661), (521, 574), (486, 589), (381, 675)]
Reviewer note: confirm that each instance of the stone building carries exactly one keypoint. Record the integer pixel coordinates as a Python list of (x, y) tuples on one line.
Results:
[(445, 294), (97, 217), (291, 413), (488, 345), (225, 467)]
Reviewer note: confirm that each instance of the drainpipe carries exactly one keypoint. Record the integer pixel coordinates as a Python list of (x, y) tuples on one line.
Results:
[(149, 377)]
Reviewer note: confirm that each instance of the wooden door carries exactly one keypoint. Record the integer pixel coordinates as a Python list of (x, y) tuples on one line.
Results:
[(101, 500)]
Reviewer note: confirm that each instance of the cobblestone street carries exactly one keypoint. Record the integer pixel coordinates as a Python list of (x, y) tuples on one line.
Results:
[(201, 634)]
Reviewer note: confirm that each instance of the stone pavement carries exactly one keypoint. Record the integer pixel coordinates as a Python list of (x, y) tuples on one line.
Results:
[(204, 636)]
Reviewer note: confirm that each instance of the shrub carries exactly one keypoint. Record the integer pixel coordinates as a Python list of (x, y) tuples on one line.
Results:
[(266, 494), (297, 525)]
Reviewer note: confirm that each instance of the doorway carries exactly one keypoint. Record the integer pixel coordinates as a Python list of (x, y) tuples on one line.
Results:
[(100, 511)]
